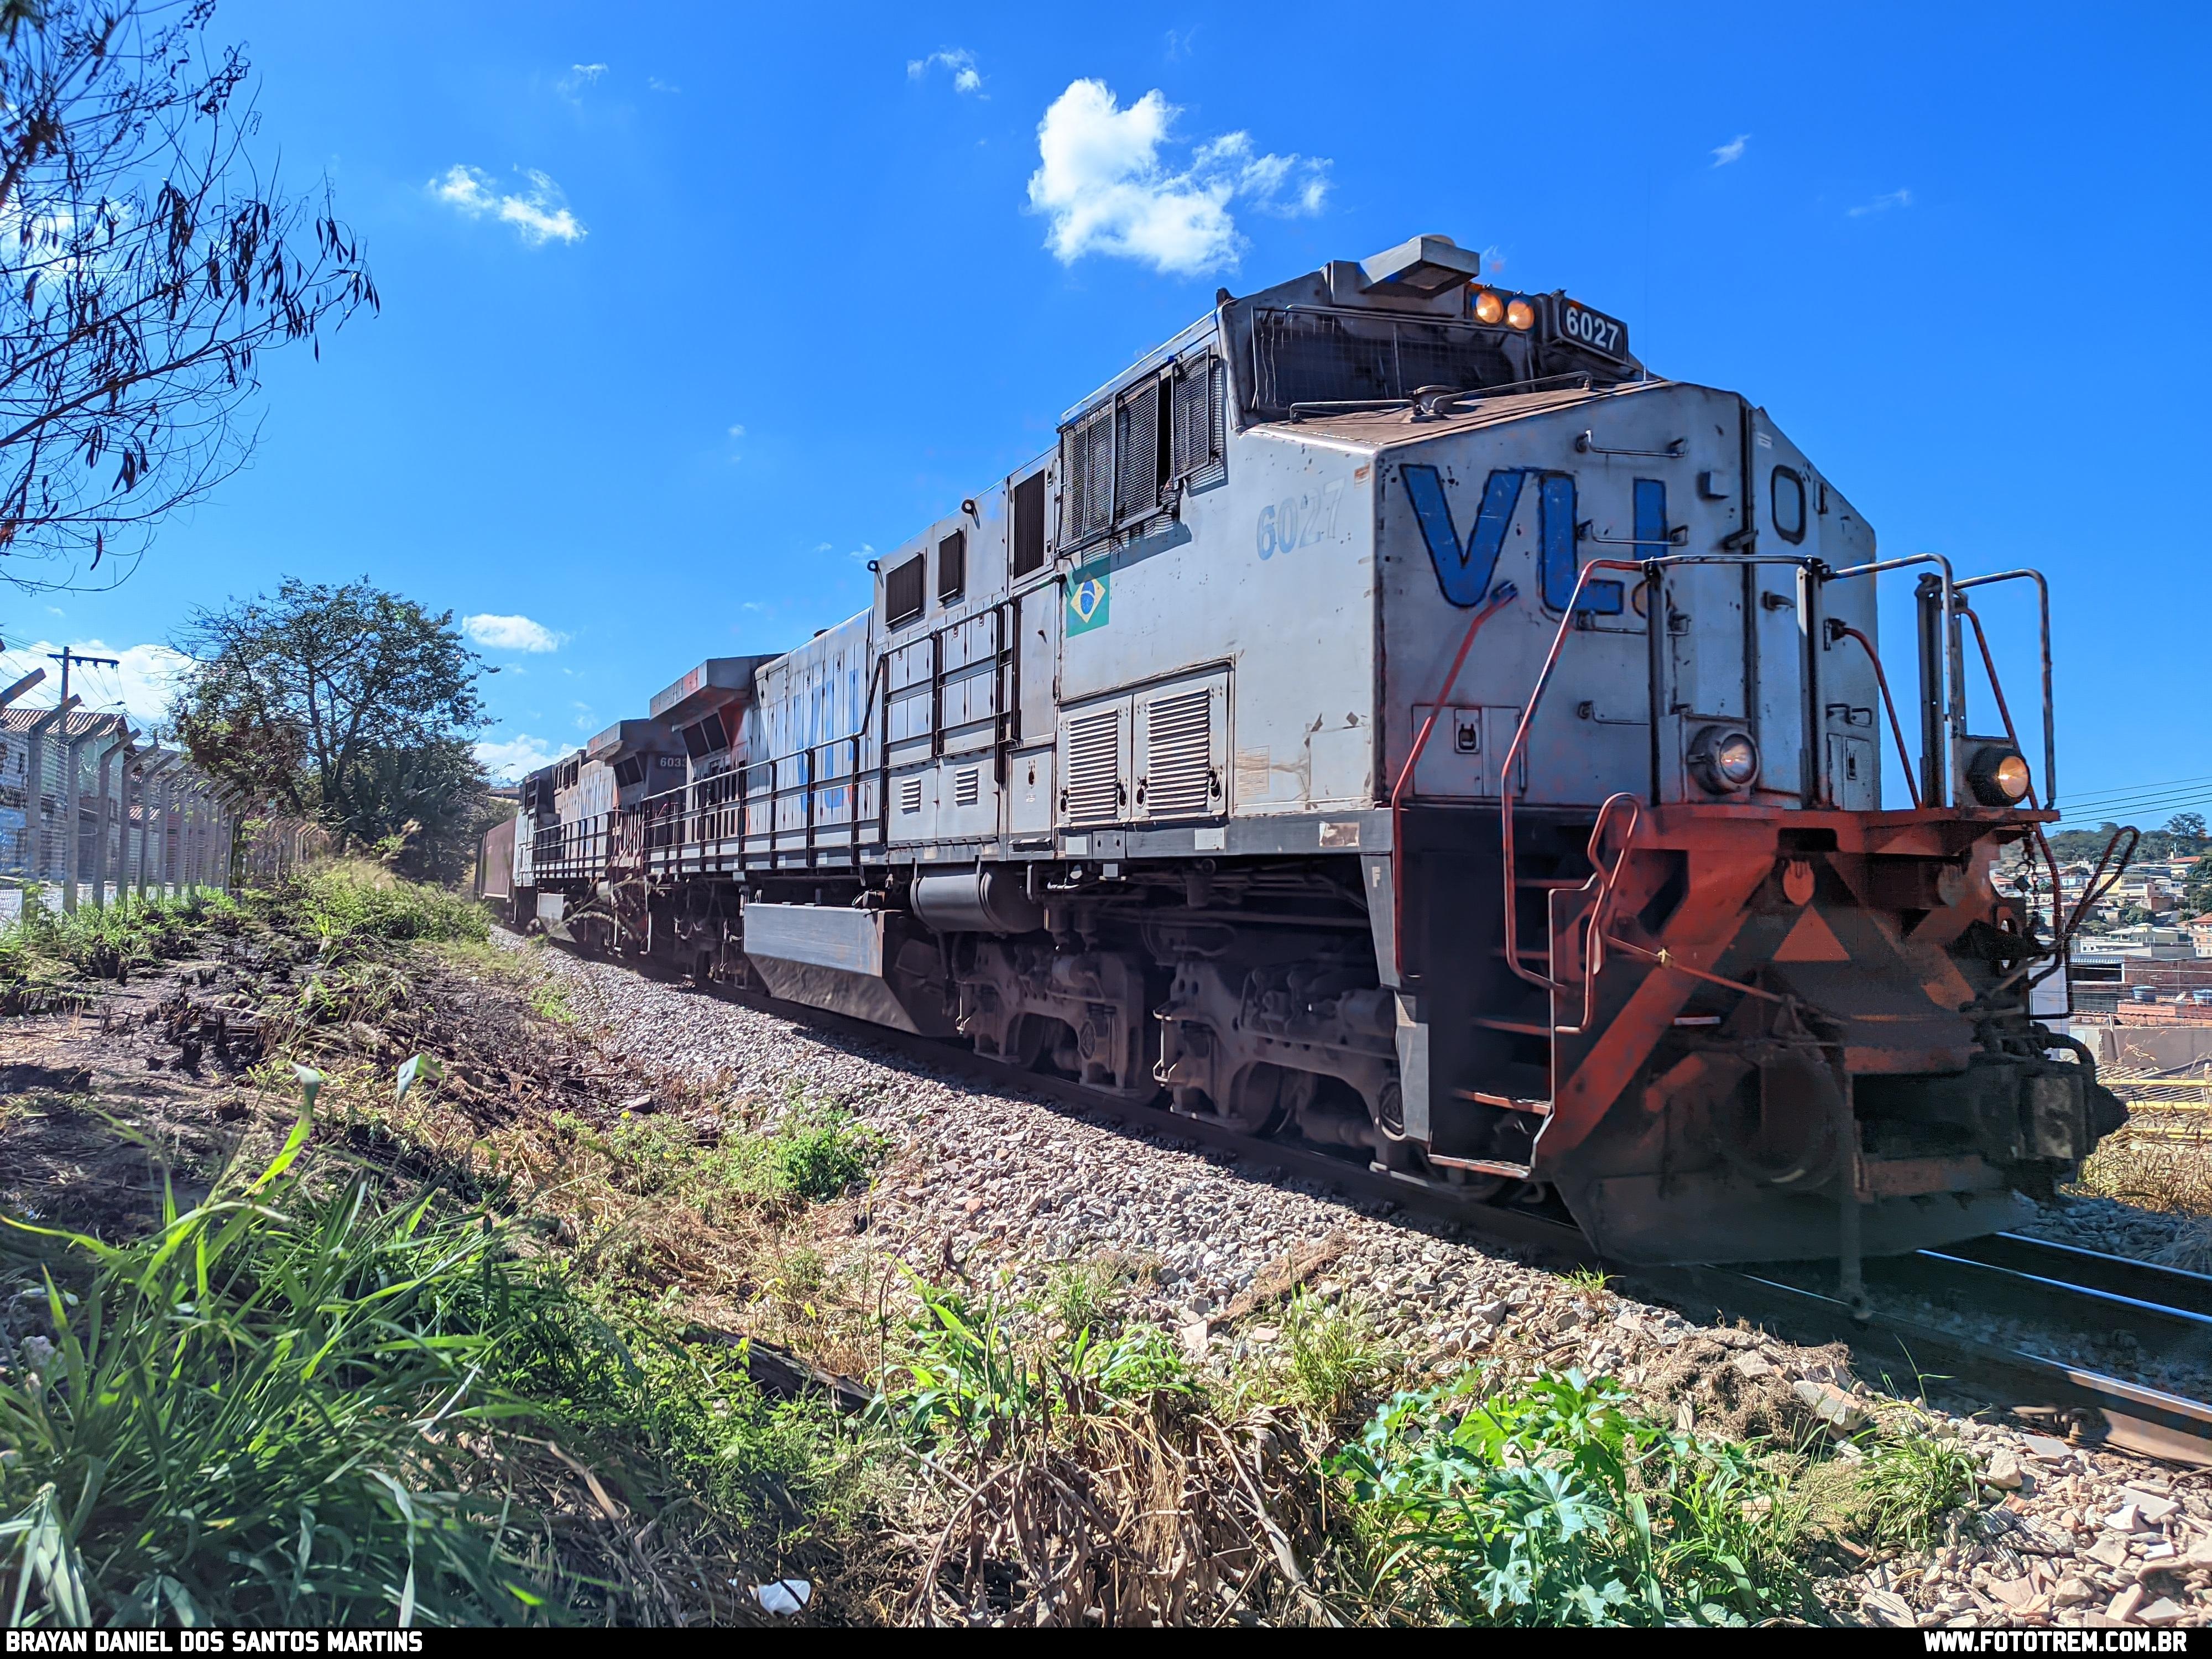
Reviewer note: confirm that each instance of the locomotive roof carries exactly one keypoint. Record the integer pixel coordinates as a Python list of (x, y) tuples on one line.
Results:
[(1377, 429), (625, 737), (715, 682)]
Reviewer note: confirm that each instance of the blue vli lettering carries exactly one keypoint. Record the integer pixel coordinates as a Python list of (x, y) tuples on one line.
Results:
[(1463, 572)]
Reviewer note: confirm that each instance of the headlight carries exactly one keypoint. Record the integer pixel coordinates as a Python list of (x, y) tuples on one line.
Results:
[(1998, 777), (1725, 759), (1521, 315), (1489, 308)]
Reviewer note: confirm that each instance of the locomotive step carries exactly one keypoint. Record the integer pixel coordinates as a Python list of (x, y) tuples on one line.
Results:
[(1515, 1027), (1507, 1103), (1481, 1166)]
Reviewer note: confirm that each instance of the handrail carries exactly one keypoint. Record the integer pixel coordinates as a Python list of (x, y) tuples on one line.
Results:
[(1606, 878), (1845, 630), (1656, 629), (2049, 722), (1503, 596), (1951, 702), (1505, 790)]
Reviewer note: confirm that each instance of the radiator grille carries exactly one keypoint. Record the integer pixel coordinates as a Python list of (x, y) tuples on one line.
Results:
[(1179, 754), (910, 796), (967, 785), (1094, 768), (1304, 356), (1137, 453), (1088, 501), (1197, 418)]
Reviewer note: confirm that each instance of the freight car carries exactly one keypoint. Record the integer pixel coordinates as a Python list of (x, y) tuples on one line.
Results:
[(1392, 719)]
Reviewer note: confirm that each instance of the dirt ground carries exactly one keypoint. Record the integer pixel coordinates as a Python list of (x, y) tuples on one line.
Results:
[(99, 1103)]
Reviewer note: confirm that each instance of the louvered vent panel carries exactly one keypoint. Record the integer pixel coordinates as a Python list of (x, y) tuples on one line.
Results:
[(1197, 418), (1094, 768), (1138, 488), (1088, 487), (967, 785), (910, 796), (1179, 754)]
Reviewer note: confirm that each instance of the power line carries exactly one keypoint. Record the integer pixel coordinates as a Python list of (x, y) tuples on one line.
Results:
[(2136, 803), (2115, 810), (2129, 792)]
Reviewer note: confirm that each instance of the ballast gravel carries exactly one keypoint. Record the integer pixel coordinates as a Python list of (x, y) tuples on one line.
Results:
[(2068, 1534)]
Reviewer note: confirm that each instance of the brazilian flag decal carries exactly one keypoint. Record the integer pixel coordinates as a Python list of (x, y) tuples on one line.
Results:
[(1088, 599)]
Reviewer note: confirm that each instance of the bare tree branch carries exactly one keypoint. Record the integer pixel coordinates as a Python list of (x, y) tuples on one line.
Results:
[(146, 263)]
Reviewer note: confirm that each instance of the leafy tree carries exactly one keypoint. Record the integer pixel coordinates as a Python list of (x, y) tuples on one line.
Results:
[(2197, 890), (2186, 826), (345, 704), (147, 258)]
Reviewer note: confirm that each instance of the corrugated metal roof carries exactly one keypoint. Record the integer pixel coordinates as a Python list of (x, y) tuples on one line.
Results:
[(78, 723)]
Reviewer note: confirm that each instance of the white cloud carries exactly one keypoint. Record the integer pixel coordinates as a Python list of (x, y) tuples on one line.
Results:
[(1895, 199), (958, 60), (581, 77), (737, 432), (539, 213), (510, 758), (1106, 189), (864, 552), (512, 634), (656, 84), (1178, 42), (142, 686), (1732, 150)]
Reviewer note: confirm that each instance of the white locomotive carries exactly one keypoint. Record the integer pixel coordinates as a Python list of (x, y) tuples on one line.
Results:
[(1392, 719)]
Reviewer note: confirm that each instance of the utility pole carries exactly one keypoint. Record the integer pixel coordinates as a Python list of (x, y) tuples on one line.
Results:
[(66, 657)]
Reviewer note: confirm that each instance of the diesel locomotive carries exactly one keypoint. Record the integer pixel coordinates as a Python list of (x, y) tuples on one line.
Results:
[(1391, 718)]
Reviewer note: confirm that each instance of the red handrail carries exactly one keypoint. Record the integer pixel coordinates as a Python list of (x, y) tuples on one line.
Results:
[(1520, 737), (1896, 727), (1503, 596)]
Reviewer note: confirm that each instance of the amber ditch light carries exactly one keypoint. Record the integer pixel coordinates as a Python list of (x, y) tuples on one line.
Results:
[(1489, 308), (1521, 315)]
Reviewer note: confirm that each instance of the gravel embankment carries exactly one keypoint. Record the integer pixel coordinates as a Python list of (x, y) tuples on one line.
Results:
[(2117, 1229), (2071, 1535)]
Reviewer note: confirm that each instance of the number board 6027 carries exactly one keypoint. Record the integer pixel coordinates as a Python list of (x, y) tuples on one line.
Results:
[(1594, 331)]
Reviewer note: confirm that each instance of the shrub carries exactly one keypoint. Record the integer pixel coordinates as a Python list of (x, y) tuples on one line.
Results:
[(821, 1151), (1550, 1502)]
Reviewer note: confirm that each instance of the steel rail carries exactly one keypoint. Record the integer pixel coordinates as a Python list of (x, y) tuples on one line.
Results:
[(2108, 1291)]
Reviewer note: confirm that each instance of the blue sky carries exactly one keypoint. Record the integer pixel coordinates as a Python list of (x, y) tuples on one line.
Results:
[(688, 308)]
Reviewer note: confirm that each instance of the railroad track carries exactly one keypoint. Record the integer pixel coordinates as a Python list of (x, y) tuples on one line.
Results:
[(2056, 1287)]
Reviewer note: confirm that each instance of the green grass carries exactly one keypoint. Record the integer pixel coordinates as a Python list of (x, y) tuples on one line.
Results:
[(350, 903), (973, 1375), (43, 945), (282, 1409), (1327, 1361), (1083, 1295), (1909, 1482), (807, 1156)]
